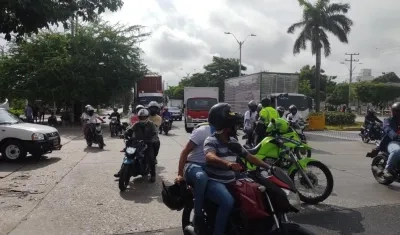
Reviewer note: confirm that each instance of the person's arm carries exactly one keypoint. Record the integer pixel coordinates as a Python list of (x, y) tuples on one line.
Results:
[(184, 154), (387, 128), (246, 121), (211, 157), (256, 161)]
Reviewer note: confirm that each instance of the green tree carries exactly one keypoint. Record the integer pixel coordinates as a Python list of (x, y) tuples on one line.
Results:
[(305, 88), (175, 92), (318, 19), (327, 85), (340, 94), (376, 93), (100, 62), (387, 77), (27, 17)]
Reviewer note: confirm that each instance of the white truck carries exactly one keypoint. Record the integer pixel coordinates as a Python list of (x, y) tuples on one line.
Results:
[(175, 103), (197, 103)]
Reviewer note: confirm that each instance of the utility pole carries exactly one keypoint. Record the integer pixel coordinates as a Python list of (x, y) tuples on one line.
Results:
[(240, 49), (351, 69)]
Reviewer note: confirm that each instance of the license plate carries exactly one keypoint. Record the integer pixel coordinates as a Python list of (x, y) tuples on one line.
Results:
[(56, 142)]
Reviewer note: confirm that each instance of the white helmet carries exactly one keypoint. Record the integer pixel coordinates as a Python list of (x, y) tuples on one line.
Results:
[(138, 107), (154, 104), (143, 113)]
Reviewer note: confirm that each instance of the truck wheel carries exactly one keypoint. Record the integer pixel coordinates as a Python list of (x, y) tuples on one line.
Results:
[(13, 150)]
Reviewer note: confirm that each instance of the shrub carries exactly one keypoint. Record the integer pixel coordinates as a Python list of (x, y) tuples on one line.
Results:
[(16, 112), (339, 118)]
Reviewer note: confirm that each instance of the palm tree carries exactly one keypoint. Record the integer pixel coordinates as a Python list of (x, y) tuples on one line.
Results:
[(318, 19)]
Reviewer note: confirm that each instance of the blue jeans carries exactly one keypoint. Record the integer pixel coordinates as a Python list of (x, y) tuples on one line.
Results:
[(394, 155), (219, 194), (195, 175)]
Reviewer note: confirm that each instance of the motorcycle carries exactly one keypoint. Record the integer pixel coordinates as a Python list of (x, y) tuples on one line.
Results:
[(380, 161), (374, 134), (94, 135), (276, 196), (280, 150), (134, 163), (298, 127), (114, 127), (166, 125)]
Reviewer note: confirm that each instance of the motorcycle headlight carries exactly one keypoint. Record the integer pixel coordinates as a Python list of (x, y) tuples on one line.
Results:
[(98, 128), (130, 150), (37, 136), (293, 198)]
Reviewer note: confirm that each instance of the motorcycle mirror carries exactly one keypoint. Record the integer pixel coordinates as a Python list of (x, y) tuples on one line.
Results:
[(273, 120)]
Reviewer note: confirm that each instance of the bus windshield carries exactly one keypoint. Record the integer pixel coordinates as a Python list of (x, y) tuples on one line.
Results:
[(301, 102), (201, 103)]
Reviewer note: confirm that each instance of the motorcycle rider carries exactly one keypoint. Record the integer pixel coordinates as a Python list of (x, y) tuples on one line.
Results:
[(118, 116), (191, 168), (144, 130), (91, 117), (390, 143), (154, 109), (221, 162), (281, 111), (259, 107), (266, 114), (165, 115), (250, 120), (293, 115), (134, 117), (369, 121)]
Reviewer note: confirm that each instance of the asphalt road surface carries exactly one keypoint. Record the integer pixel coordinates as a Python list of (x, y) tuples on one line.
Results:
[(73, 191)]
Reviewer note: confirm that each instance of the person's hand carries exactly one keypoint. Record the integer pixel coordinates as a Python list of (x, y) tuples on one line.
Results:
[(179, 179), (235, 166)]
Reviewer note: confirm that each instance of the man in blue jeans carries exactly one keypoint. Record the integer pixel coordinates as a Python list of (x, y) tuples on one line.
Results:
[(191, 163), (221, 162), (391, 142)]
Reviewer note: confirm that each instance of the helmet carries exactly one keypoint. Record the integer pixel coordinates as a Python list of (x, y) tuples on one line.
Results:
[(252, 105), (370, 111), (396, 110), (143, 113), (293, 109), (259, 107), (154, 104), (139, 107), (153, 108), (90, 110), (281, 110), (174, 196), (115, 109), (266, 102), (278, 125), (87, 107), (221, 117), (166, 108)]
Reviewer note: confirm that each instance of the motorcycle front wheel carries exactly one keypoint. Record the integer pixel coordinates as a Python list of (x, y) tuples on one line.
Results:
[(291, 229), (124, 178), (101, 142), (329, 182)]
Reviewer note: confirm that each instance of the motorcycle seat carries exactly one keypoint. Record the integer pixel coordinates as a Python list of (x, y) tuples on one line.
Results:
[(254, 150)]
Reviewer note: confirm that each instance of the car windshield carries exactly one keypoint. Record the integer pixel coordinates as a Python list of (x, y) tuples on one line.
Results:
[(8, 118), (301, 102), (200, 103), (173, 109)]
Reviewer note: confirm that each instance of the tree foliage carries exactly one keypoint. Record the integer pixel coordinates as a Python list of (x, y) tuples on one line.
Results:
[(387, 77), (214, 75), (318, 19), (340, 94), (376, 93), (308, 81), (29, 16), (101, 61)]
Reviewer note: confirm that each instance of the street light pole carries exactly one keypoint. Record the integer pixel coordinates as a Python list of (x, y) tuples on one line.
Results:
[(240, 48)]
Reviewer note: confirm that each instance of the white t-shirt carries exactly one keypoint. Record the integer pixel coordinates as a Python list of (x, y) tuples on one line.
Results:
[(92, 119), (198, 137), (295, 118), (251, 116)]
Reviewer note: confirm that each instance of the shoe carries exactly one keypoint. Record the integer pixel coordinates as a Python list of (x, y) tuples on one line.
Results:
[(152, 179), (373, 153), (117, 175), (199, 225), (387, 174)]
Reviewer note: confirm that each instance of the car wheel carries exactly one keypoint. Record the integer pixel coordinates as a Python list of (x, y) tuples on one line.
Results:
[(13, 150)]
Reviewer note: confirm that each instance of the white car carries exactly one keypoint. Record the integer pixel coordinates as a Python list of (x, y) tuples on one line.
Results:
[(17, 138)]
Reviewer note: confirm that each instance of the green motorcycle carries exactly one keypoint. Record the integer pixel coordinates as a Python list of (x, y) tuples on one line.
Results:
[(280, 150)]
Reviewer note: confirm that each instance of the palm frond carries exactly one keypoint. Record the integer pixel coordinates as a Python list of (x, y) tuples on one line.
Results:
[(342, 20), (338, 31), (293, 27), (323, 37), (301, 41), (321, 4), (335, 8), (304, 3)]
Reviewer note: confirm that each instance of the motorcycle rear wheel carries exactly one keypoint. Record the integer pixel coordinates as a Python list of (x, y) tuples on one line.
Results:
[(124, 178), (377, 162), (101, 142)]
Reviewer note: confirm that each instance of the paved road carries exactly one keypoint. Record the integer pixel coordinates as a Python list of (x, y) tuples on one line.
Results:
[(73, 192)]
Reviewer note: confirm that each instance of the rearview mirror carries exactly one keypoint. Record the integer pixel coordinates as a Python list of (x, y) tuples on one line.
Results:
[(273, 120), (235, 147)]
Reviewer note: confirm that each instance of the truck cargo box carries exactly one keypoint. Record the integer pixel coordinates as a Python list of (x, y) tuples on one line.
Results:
[(150, 84)]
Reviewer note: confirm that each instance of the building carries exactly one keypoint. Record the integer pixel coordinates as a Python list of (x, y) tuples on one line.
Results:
[(365, 75)]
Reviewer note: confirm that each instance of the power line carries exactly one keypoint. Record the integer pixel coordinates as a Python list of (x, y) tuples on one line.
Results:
[(351, 69)]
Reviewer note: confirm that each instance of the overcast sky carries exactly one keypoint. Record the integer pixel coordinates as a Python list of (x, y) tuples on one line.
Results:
[(186, 34)]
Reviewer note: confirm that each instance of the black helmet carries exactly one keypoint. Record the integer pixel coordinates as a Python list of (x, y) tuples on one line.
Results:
[(293, 109), (220, 116), (174, 196), (396, 109), (266, 102), (252, 105), (281, 110), (370, 111)]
